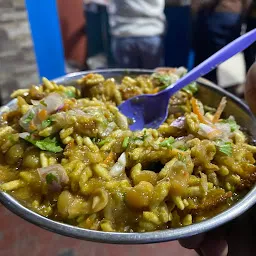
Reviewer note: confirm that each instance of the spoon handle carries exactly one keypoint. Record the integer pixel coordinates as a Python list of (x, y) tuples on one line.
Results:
[(212, 62)]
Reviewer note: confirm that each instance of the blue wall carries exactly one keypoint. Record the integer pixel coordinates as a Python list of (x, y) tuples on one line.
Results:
[(46, 35)]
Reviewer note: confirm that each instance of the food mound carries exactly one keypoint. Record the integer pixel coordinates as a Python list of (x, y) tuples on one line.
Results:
[(67, 153)]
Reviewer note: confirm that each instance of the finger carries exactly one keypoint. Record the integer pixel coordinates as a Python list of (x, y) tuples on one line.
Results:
[(192, 242), (199, 252), (214, 247), (215, 243), (212, 243), (250, 88)]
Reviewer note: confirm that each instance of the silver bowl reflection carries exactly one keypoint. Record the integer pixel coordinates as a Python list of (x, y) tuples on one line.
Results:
[(209, 94)]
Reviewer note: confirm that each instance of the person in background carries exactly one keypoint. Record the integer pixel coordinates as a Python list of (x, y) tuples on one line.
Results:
[(218, 23), (137, 28)]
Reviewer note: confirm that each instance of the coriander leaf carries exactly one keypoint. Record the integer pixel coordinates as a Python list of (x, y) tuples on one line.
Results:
[(29, 118), (50, 178), (11, 138), (125, 142), (181, 157), (70, 94), (46, 144), (143, 137), (43, 103), (183, 148), (191, 88), (232, 123), (49, 144), (103, 142), (94, 140), (167, 143), (46, 123), (164, 79), (225, 148)]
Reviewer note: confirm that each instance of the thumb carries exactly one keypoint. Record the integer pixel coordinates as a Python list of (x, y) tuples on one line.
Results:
[(214, 243), (214, 247), (209, 244)]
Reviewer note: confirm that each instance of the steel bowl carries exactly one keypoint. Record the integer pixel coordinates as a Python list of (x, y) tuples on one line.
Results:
[(209, 94)]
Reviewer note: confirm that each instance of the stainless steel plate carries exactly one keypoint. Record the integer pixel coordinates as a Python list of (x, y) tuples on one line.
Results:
[(209, 94)]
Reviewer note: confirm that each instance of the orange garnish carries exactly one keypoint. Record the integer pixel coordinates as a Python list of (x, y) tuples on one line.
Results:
[(155, 90), (220, 109), (42, 115), (66, 106), (32, 126), (197, 111), (70, 145), (109, 158)]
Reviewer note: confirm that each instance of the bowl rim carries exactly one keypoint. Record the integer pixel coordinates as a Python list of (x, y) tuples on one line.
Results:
[(133, 238)]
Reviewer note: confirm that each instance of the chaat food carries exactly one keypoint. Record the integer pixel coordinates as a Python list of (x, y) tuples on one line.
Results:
[(67, 153)]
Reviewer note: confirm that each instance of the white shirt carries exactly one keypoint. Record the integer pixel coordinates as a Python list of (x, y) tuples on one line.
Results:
[(133, 18)]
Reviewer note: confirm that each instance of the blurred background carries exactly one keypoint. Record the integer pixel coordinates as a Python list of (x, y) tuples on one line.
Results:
[(52, 38)]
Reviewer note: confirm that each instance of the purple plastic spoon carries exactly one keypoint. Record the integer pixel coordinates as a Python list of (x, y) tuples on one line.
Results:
[(151, 110)]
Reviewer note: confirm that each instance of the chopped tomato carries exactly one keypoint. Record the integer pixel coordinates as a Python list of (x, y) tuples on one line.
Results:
[(197, 111), (109, 158), (156, 90), (32, 126), (42, 114)]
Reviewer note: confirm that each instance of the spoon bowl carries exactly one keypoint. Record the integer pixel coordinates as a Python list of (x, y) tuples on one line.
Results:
[(141, 113)]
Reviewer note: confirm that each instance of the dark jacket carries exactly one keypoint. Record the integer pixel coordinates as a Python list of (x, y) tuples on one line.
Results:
[(233, 6)]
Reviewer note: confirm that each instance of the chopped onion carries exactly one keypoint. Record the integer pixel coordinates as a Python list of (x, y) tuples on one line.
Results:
[(52, 102), (111, 126), (211, 132), (4, 109), (204, 129), (58, 171), (122, 159), (27, 118), (35, 102), (119, 166), (24, 135), (225, 128), (179, 122), (60, 107), (225, 131)]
